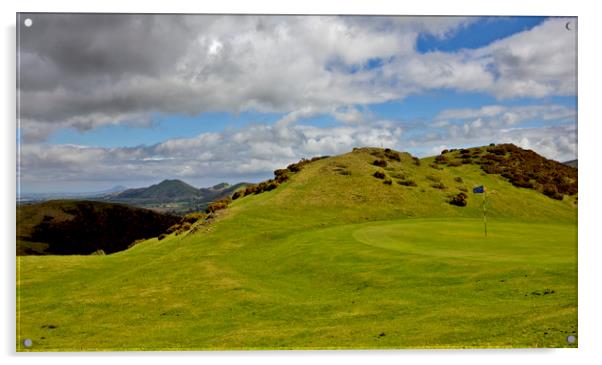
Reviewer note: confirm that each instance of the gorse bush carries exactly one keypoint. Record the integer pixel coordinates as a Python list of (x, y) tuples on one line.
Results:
[(551, 191), (392, 155), (218, 205), (440, 186), (379, 175), (459, 200), (440, 159), (407, 183), (281, 175), (526, 169), (380, 163)]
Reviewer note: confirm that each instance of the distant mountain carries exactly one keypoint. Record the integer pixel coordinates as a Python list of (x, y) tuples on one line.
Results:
[(572, 163), (113, 190), (174, 196), (166, 190), (220, 186), (81, 227)]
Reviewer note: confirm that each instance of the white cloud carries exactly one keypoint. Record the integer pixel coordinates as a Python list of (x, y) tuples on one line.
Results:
[(509, 115), (296, 65), (253, 151)]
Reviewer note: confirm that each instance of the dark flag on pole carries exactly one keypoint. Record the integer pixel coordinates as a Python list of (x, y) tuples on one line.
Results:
[(481, 190)]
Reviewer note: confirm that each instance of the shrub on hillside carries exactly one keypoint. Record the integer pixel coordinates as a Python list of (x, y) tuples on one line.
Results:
[(459, 200), (497, 150), (185, 226), (493, 157), (416, 161), (237, 194), (380, 163), (458, 179), (551, 191), (265, 186), (407, 183), (440, 159), (491, 169), (193, 217), (433, 178), (281, 175), (392, 155), (379, 175), (218, 205), (522, 182), (440, 186), (387, 182), (250, 189), (454, 163)]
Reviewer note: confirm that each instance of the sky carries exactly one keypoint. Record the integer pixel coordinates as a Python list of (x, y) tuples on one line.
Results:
[(118, 99)]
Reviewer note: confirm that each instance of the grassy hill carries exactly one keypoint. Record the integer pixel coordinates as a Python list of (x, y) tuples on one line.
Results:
[(333, 256), (74, 227)]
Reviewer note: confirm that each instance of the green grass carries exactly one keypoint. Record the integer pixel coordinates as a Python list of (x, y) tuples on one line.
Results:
[(325, 261)]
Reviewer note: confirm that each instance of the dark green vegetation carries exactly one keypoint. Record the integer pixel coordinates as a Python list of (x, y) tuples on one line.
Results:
[(331, 257), (73, 227), (173, 196), (523, 168)]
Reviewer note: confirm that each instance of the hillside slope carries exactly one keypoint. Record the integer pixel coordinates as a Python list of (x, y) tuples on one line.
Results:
[(332, 257), (74, 227)]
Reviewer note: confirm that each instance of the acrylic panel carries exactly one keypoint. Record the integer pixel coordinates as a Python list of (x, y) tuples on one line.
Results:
[(264, 182)]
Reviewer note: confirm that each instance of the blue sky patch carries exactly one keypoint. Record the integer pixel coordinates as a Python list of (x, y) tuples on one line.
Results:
[(478, 34)]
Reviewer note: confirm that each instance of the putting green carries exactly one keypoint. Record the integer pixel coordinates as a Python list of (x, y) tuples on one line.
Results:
[(465, 238)]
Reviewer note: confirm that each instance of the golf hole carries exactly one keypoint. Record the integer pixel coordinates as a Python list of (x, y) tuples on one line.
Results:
[(571, 339), (27, 342)]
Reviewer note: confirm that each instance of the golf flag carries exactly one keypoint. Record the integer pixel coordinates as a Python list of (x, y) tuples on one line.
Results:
[(479, 190)]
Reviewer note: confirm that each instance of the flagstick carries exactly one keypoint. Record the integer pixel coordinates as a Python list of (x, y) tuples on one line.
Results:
[(484, 212)]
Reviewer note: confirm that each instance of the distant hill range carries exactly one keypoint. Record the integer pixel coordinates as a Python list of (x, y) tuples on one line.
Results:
[(173, 196), (82, 227), (168, 196), (571, 163), (33, 197)]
